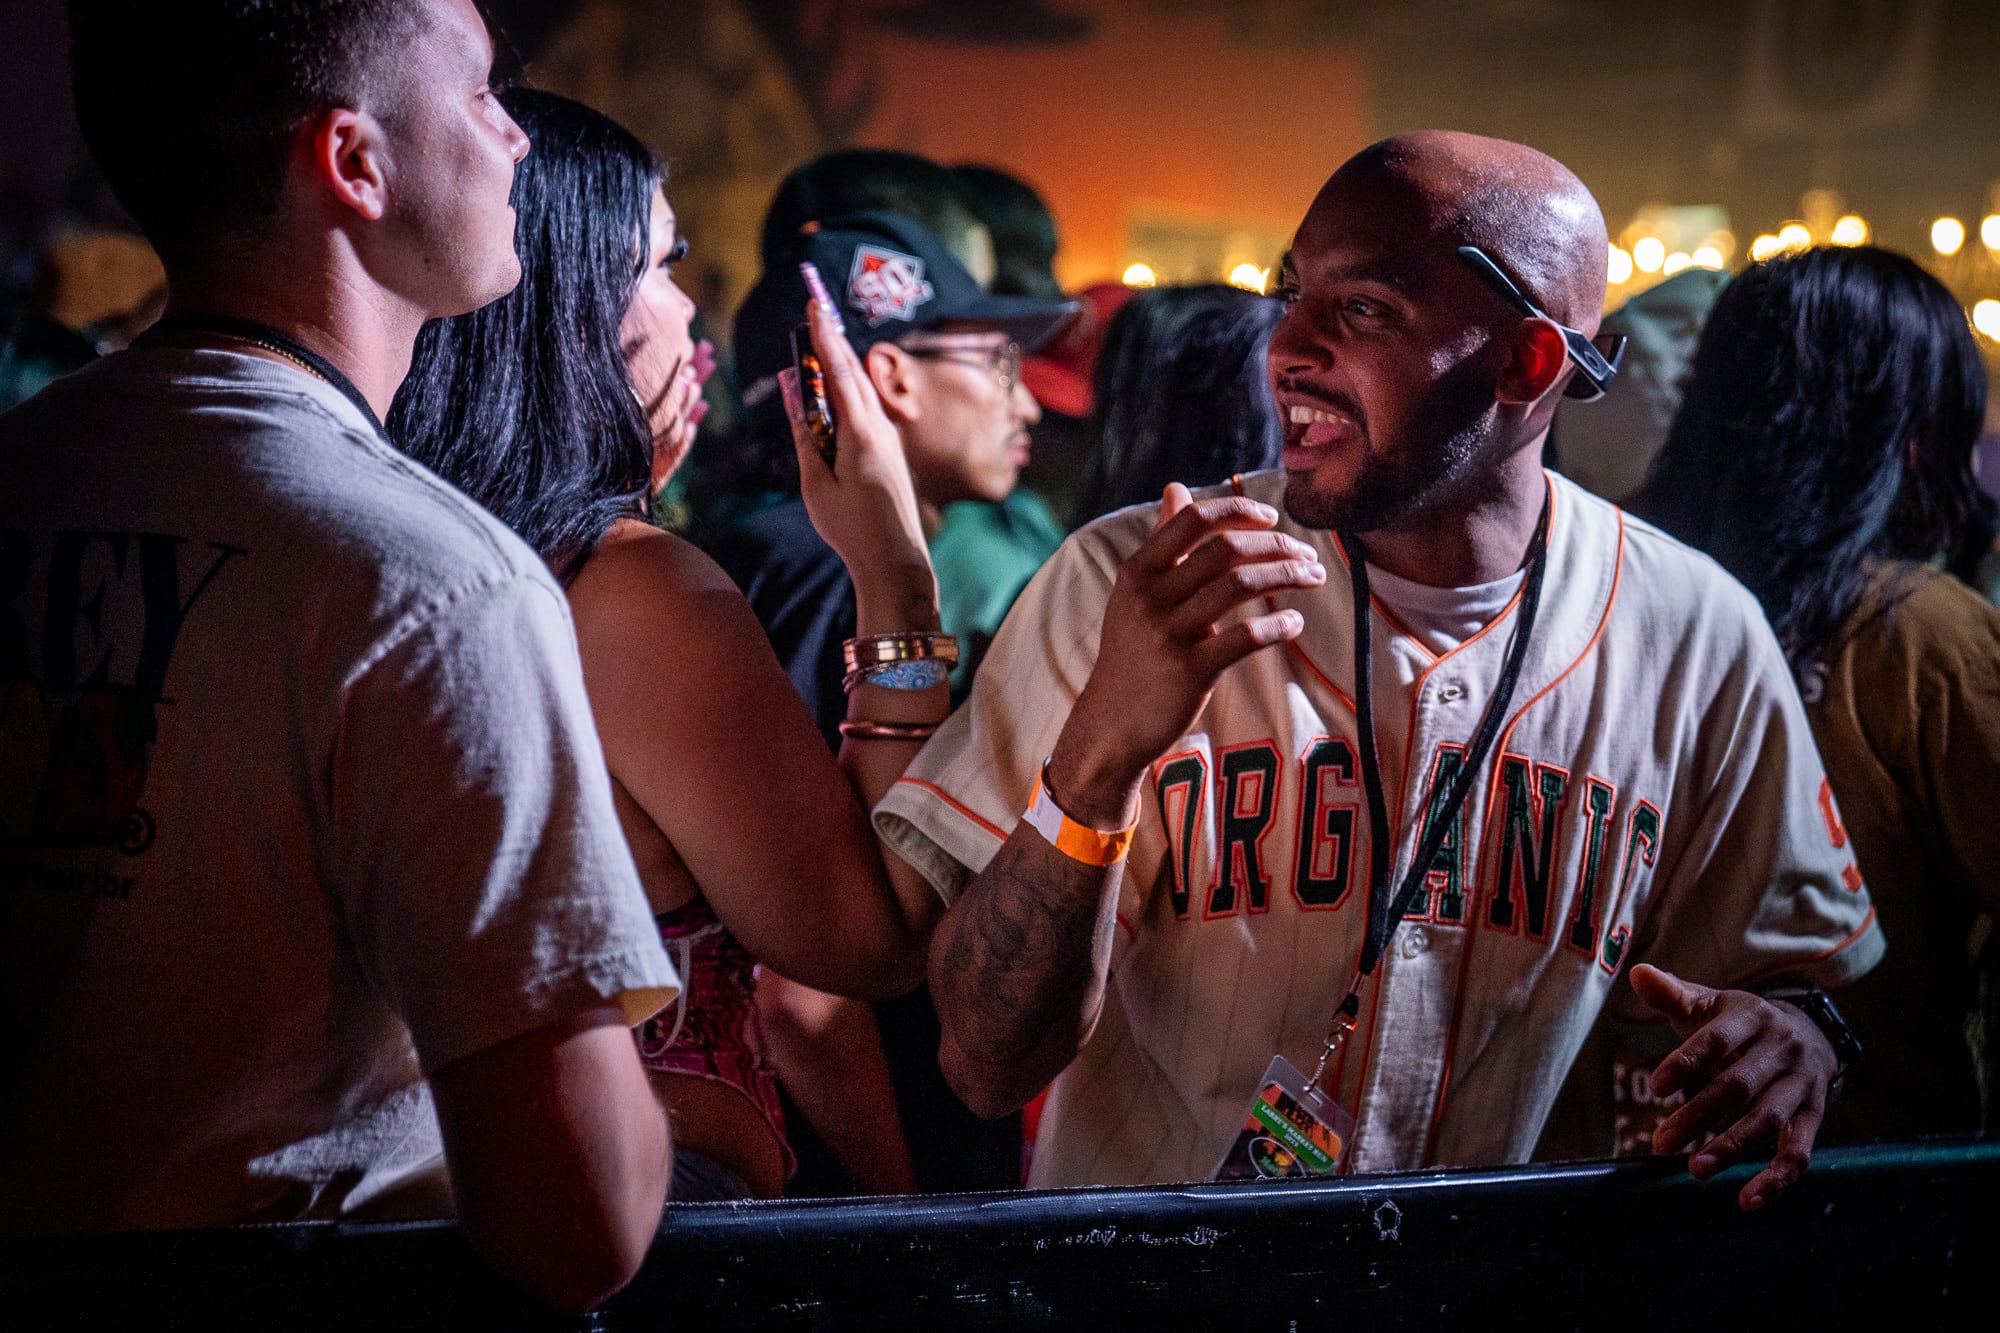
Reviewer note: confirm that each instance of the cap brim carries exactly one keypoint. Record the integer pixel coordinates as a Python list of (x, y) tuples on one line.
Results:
[(1028, 321)]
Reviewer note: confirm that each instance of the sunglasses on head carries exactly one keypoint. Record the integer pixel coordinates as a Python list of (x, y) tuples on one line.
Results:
[(1596, 362)]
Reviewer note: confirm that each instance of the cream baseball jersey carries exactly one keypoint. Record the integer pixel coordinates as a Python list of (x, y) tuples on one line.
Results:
[(1654, 796)]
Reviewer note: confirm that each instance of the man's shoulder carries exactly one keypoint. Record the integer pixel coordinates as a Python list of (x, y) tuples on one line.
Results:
[(1660, 582), (255, 448), (1670, 565)]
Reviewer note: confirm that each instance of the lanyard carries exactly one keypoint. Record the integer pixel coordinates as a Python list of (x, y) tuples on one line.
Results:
[(259, 335), (1384, 908)]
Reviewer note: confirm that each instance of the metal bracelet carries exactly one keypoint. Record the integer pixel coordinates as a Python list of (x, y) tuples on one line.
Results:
[(888, 731)]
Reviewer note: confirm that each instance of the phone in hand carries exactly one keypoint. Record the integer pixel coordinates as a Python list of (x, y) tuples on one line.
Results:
[(812, 393)]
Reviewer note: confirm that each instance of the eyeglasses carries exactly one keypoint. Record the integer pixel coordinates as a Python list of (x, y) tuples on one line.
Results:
[(1002, 361), (1596, 366)]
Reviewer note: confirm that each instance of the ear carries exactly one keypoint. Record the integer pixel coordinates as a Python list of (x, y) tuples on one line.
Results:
[(892, 371), (348, 157), (1536, 357)]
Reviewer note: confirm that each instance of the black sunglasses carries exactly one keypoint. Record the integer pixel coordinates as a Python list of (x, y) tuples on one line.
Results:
[(1595, 367)]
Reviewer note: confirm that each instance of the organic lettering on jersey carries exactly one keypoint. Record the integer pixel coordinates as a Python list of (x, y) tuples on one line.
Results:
[(1329, 820), (1443, 896), (1559, 861), (1180, 788), (88, 626), (1245, 803)]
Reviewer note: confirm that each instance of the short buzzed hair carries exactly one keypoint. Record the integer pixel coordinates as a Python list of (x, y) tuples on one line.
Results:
[(191, 107)]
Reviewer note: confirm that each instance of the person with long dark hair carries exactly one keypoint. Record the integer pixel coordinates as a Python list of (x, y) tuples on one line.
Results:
[(1823, 455), (562, 408), (1182, 394)]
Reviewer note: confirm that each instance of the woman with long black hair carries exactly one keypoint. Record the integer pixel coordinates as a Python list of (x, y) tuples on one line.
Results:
[(562, 408), (1182, 394), (1823, 454)]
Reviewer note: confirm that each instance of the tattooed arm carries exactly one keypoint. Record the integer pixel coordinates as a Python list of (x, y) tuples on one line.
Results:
[(1018, 965), (1018, 970)]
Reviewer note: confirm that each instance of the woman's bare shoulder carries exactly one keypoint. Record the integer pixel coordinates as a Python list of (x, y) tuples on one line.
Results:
[(637, 565)]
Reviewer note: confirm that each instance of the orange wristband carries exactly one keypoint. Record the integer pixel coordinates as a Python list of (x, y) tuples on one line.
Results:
[(1076, 841)]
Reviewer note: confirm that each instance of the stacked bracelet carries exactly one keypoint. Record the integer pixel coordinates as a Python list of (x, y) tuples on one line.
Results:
[(1079, 842), (916, 661), (888, 731)]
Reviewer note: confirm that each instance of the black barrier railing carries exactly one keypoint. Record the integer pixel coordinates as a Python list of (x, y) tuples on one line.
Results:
[(1905, 1233)]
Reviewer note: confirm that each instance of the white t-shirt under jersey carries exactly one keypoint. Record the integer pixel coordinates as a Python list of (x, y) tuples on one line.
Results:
[(1441, 618), (299, 798)]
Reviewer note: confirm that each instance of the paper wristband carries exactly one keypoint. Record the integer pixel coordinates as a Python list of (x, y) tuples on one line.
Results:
[(1074, 840)]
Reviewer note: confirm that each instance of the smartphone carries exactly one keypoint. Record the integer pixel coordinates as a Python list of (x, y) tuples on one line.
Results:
[(812, 393)]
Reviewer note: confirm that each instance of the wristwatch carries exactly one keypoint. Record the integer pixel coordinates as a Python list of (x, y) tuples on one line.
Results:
[(1817, 1005)]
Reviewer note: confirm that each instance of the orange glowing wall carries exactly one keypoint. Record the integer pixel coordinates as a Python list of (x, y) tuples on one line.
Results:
[(1162, 111)]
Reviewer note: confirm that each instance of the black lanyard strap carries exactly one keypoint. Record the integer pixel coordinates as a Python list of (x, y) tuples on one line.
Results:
[(260, 335), (1384, 910)]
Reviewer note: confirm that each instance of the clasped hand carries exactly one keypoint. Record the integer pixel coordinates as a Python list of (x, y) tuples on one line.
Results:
[(1755, 1070)]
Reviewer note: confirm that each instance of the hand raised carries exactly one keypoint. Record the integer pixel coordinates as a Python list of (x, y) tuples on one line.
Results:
[(864, 504), (1169, 633), (1755, 1070)]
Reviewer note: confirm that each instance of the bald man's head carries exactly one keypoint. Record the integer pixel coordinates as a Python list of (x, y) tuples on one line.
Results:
[(1404, 380), (1522, 207)]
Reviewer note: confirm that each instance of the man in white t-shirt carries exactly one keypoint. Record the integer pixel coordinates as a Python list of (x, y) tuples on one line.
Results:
[(1559, 764), (304, 820)]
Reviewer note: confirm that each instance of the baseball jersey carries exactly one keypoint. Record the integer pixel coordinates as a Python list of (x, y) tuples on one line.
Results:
[(1654, 796)]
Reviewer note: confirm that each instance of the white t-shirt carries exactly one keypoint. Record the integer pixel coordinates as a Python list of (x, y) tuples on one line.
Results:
[(1441, 618), (1654, 796), (302, 798)]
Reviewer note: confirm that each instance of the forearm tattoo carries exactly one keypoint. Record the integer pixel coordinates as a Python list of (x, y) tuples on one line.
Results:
[(1019, 974)]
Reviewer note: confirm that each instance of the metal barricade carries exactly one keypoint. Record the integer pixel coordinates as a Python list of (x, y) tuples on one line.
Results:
[(1906, 1232)]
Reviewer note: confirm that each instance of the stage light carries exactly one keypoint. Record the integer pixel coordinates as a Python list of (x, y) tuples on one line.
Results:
[(1140, 275), (1764, 247), (1850, 230), (1986, 318), (1708, 257), (1675, 262), (1795, 236), (1620, 271), (1947, 234), (1989, 231), (1648, 253), (1249, 277)]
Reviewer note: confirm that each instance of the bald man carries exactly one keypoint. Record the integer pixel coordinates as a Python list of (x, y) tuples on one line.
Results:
[(1198, 814)]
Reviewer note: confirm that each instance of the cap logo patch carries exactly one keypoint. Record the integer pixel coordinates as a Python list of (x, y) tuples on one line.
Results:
[(886, 284)]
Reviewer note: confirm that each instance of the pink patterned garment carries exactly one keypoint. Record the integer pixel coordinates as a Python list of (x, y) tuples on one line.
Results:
[(712, 1031)]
